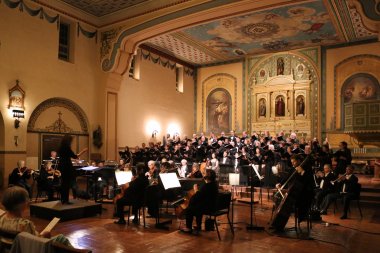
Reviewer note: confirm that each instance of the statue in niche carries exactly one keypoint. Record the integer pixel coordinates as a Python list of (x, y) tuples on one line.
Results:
[(300, 106), (280, 66), (280, 106), (262, 108)]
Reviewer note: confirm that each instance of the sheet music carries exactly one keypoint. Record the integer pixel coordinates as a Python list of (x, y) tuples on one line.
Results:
[(170, 180), (234, 178), (256, 169), (123, 177), (51, 225)]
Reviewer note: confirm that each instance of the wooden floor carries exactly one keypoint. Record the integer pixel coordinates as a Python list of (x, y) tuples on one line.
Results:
[(101, 235)]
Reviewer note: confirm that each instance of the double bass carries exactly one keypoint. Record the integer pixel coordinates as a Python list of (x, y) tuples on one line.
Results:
[(285, 208)]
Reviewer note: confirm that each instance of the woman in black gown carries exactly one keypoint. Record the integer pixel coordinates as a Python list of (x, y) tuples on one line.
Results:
[(66, 168)]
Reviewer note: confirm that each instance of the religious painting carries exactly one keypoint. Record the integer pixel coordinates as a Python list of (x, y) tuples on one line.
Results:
[(361, 87), (280, 106), (16, 97), (300, 106), (280, 66), (218, 110), (262, 108)]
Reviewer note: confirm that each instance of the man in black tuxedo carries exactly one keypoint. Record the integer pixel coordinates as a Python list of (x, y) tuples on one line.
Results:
[(348, 190), (225, 159), (325, 185)]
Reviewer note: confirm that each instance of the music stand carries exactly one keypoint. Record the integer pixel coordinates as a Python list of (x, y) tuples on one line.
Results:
[(169, 181), (256, 169), (234, 179), (251, 226)]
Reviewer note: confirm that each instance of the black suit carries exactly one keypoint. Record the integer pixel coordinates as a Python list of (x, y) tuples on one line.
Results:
[(133, 195), (348, 190), (325, 187), (21, 180), (225, 160), (203, 202)]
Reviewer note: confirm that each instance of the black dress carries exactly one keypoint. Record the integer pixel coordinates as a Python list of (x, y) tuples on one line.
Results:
[(67, 173)]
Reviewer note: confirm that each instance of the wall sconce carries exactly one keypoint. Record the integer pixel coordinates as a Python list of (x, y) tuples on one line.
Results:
[(154, 134), (18, 114)]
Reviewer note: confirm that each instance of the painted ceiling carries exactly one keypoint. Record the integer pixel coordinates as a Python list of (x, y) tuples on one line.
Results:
[(319, 22), (103, 7)]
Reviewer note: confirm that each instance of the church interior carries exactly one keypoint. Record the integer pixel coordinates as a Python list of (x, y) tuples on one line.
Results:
[(126, 119)]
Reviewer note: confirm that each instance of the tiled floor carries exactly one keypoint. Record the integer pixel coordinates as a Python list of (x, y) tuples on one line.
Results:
[(101, 235)]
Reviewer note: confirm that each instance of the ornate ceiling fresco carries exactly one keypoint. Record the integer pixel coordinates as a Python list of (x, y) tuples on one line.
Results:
[(102, 7), (319, 22)]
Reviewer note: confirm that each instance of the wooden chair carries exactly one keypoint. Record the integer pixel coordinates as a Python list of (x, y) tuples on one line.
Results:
[(60, 248), (223, 204)]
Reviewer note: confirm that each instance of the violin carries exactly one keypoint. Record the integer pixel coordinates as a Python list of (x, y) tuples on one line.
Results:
[(24, 170)]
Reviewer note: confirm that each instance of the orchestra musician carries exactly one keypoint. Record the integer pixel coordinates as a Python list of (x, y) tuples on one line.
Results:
[(304, 183), (66, 168), (324, 186), (152, 173), (182, 171), (132, 195), (202, 202), (20, 176), (347, 190), (195, 171), (50, 179)]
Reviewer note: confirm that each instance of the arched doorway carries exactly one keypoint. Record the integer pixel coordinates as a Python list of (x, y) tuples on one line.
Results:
[(49, 122)]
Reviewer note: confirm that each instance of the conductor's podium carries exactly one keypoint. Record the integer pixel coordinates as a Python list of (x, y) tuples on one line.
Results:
[(79, 209)]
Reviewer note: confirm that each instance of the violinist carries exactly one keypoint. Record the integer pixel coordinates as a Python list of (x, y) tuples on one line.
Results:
[(50, 179), (195, 171), (202, 202), (20, 176), (182, 171), (153, 172), (133, 194), (347, 190), (324, 187)]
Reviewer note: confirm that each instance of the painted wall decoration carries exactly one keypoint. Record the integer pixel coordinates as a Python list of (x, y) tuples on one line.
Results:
[(219, 110), (360, 87), (262, 108), (300, 105), (280, 106), (16, 97)]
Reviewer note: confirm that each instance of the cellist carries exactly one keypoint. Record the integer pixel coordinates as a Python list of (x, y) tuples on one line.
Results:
[(202, 202), (303, 186), (132, 195)]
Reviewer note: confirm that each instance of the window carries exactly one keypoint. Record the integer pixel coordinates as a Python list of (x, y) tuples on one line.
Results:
[(132, 68), (179, 79), (64, 42)]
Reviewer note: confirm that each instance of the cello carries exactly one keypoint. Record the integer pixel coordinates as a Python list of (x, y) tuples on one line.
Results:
[(285, 208)]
